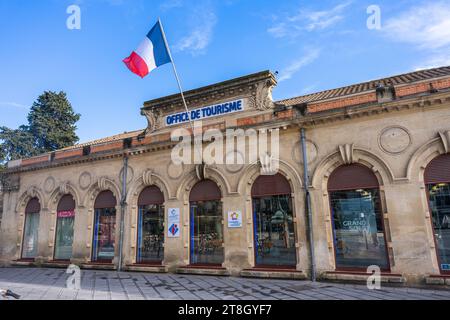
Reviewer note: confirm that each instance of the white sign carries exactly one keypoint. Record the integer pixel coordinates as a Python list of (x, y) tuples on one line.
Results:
[(234, 219), (173, 219), (205, 112)]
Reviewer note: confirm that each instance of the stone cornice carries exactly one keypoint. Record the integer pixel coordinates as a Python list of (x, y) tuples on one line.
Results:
[(214, 92)]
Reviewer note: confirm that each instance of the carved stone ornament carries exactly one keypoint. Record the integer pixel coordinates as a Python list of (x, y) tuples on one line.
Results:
[(394, 140), (10, 182), (153, 119), (64, 188), (49, 184), (85, 180), (147, 177), (102, 183), (261, 98), (346, 151), (445, 137), (200, 171)]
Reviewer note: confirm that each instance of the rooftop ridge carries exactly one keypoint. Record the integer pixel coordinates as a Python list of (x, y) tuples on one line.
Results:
[(404, 78)]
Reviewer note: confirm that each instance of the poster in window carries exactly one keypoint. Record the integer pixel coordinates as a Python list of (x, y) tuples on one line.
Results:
[(173, 219)]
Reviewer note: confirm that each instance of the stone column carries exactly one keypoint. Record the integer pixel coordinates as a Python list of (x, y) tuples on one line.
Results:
[(81, 236), (176, 250), (237, 240), (409, 222)]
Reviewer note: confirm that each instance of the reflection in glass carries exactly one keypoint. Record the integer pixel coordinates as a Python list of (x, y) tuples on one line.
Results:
[(150, 234), (104, 235), (64, 235), (358, 229), (440, 208), (206, 233), (274, 231), (30, 237)]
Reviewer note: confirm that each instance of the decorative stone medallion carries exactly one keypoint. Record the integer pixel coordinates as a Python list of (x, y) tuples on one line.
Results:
[(394, 140), (85, 180), (311, 150), (175, 171), (236, 160), (49, 184)]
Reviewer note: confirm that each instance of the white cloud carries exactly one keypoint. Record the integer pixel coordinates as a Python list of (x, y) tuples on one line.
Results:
[(426, 26), (296, 65), (171, 4), (307, 20), (201, 34), (13, 105)]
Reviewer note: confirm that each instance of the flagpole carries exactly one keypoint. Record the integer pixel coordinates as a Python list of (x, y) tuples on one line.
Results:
[(176, 75)]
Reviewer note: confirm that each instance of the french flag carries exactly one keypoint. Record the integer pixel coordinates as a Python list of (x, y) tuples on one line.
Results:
[(151, 53)]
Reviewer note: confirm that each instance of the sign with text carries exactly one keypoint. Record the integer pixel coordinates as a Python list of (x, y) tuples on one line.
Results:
[(205, 112), (173, 219), (234, 219)]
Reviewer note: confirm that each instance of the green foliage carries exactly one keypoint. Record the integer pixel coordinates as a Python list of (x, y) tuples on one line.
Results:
[(51, 126)]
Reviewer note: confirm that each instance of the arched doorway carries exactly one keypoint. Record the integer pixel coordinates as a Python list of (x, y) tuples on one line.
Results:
[(206, 224), (437, 181), (31, 229), (357, 218), (150, 241), (64, 228), (104, 228), (273, 222)]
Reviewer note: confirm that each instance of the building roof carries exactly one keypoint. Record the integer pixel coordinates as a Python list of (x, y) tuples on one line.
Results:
[(113, 138), (406, 78)]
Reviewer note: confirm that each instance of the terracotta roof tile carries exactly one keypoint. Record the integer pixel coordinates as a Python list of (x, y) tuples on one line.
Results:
[(406, 78)]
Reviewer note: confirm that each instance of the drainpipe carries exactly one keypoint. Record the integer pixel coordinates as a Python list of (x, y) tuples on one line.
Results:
[(308, 204), (123, 204)]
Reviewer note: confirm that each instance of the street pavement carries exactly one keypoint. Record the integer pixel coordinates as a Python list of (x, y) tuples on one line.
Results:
[(50, 284)]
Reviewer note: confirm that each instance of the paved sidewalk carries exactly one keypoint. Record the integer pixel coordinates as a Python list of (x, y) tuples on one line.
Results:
[(50, 284)]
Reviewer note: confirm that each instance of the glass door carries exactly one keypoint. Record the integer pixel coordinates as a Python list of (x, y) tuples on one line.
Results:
[(104, 235), (207, 233), (30, 236)]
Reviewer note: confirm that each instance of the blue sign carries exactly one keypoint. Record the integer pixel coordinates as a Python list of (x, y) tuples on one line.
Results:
[(205, 112)]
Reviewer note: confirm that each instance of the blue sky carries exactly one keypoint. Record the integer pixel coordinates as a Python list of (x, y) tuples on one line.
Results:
[(315, 45)]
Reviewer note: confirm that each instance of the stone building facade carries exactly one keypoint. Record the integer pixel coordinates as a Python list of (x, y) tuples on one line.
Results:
[(377, 154)]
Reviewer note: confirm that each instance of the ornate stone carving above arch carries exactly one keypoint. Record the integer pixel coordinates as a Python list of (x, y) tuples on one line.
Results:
[(102, 184), (148, 178), (360, 155), (346, 151), (62, 190), (423, 156), (445, 137), (30, 193), (211, 173), (254, 171)]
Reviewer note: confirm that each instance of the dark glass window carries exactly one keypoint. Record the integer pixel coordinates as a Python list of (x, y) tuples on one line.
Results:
[(206, 233), (274, 231), (440, 210), (104, 235), (358, 229), (150, 233)]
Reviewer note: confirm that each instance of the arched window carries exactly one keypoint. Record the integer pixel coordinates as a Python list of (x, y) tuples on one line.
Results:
[(274, 232), (64, 228), (104, 227), (206, 224), (31, 229), (359, 238), (437, 181), (150, 248)]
